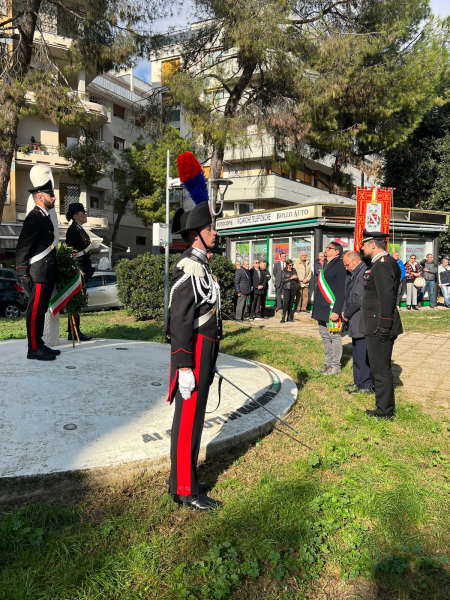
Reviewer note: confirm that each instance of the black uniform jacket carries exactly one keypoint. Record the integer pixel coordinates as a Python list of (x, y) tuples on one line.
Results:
[(379, 301), (36, 236), (77, 238), (183, 312), (354, 289), (335, 275), (260, 279)]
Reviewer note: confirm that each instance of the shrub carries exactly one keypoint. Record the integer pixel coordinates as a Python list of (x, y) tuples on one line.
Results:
[(140, 284)]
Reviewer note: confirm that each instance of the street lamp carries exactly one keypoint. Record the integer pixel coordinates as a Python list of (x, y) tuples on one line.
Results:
[(221, 184)]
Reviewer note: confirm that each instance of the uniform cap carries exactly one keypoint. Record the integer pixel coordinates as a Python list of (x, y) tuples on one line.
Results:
[(42, 180), (74, 208), (368, 236)]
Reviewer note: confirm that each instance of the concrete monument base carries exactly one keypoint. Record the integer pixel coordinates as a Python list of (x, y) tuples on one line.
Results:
[(98, 413)]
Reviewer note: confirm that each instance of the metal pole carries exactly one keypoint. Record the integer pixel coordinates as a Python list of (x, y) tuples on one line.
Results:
[(166, 262)]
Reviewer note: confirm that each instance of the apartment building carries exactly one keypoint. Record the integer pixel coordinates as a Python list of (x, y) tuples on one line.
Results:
[(259, 181), (107, 100)]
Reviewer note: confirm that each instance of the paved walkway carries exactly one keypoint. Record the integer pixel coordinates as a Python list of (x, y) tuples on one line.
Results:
[(420, 365)]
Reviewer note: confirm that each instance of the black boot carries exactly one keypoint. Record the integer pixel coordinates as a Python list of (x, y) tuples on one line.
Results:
[(50, 351), (40, 354), (199, 502)]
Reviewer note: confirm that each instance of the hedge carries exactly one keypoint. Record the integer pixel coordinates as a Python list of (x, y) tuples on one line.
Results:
[(140, 284)]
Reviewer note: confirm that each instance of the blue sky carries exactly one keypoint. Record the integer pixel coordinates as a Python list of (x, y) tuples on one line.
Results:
[(143, 70)]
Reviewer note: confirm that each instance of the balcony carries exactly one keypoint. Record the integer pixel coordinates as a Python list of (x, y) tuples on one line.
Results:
[(103, 84), (44, 154), (274, 189)]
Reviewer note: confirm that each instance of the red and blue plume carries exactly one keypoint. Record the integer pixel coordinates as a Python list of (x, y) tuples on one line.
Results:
[(192, 177)]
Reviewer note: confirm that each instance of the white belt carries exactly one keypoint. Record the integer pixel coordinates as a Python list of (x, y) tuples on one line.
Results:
[(204, 318), (43, 254), (82, 252)]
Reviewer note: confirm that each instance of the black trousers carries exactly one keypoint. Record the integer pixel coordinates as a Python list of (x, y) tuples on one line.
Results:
[(189, 418), (362, 375), (380, 355), (38, 301), (288, 301), (256, 305)]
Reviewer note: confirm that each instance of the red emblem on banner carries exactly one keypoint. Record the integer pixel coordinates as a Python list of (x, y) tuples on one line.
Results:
[(373, 211)]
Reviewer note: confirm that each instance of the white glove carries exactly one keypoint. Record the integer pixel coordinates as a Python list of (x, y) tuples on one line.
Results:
[(186, 383)]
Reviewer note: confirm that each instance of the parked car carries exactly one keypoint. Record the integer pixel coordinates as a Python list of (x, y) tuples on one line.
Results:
[(102, 291), (9, 274), (13, 300)]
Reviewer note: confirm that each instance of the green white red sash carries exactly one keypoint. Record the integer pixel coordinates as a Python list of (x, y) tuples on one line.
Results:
[(325, 289), (59, 301)]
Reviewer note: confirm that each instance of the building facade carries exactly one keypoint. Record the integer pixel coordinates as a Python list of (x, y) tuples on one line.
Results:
[(108, 102)]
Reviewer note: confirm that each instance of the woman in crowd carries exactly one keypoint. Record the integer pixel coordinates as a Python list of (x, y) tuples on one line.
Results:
[(412, 270), (289, 284)]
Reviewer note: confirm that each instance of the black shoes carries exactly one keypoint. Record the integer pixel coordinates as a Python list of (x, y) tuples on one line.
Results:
[(358, 390), (40, 354), (50, 351), (373, 413), (408, 308), (282, 320), (415, 308), (199, 502), (83, 338)]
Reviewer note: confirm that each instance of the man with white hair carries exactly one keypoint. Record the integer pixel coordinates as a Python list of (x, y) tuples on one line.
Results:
[(36, 261)]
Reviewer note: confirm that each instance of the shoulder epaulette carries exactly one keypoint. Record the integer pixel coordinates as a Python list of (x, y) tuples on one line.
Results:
[(191, 267)]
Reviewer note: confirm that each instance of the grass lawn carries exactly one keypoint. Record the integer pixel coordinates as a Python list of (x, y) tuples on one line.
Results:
[(426, 320), (353, 508)]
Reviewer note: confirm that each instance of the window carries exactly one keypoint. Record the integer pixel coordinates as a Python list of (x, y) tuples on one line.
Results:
[(95, 281), (212, 57), (242, 208), (214, 96), (94, 202), (119, 143), (118, 111), (242, 251), (111, 279), (259, 250), (168, 68), (141, 240), (68, 193), (299, 245), (280, 245)]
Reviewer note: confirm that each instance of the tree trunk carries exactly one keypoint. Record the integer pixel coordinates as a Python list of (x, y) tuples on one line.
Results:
[(120, 214), (26, 26), (231, 108), (339, 162)]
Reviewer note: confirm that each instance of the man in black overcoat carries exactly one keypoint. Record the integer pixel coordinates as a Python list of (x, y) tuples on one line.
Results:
[(77, 238), (259, 280), (37, 267), (351, 315), (380, 319), (195, 332), (335, 275)]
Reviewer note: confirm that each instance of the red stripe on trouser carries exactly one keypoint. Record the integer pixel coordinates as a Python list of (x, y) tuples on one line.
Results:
[(37, 295), (186, 426)]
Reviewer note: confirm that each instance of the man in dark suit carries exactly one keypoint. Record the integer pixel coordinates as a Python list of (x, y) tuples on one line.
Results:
[(77, 238), (328, 302), (243, 287), (37, 267), (380, 319), (259, 281), (351, 314), (278, 275), (267, 278)]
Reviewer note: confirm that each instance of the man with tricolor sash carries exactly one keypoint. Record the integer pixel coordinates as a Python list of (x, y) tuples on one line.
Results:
[(36, 261), (328, 302)]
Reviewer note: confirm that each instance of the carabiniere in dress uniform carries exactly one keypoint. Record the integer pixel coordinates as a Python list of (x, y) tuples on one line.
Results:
[(36, 261), (380, 319), (195, 333)]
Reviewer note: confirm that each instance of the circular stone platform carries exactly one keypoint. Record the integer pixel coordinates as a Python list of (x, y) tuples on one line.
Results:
[(102, 406)]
